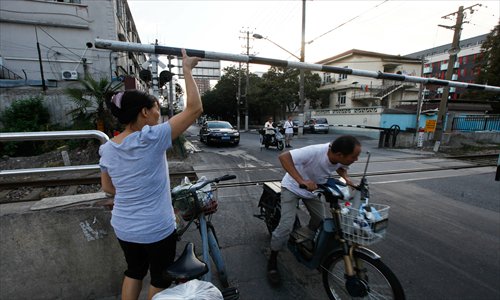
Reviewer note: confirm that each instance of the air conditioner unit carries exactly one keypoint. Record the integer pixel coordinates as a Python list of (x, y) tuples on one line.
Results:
[(69, 75)]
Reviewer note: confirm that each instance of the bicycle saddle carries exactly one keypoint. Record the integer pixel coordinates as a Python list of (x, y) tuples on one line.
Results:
[(187, 266)]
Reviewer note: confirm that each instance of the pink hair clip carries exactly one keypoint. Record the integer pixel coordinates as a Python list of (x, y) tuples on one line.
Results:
[(117, 99)]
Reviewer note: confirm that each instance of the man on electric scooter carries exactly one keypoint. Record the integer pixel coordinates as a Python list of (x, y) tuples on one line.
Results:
[(308, 166), (269, 130)]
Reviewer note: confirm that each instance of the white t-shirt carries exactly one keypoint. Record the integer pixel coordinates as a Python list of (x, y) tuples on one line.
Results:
[(312, 163), (288, 127), (269, 127)]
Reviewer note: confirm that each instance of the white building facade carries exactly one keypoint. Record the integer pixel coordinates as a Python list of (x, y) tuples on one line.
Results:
[(53, 40)]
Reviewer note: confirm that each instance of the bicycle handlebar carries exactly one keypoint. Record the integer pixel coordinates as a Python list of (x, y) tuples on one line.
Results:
[(201, 184)]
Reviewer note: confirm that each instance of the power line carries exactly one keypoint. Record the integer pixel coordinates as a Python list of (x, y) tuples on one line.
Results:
[(346, 22), (57, 41)]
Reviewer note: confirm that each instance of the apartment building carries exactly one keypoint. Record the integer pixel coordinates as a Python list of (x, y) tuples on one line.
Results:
[(53, 40), (435, 65), (349, 91)]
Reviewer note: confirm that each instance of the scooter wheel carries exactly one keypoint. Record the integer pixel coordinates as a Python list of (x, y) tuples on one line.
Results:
[(281, 145)]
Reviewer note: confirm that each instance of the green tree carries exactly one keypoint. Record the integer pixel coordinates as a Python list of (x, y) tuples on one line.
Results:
[(24, 115), (90, 112), (221, 102), (489, 68), (280, 91), (275, 94)]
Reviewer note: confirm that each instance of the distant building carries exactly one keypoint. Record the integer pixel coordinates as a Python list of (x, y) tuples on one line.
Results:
[(64, 31), (349, 91), (203, 85), (435, 62)]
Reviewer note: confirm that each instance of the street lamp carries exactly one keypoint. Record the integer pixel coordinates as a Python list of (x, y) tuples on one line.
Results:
[(301, 78), (258, 36)]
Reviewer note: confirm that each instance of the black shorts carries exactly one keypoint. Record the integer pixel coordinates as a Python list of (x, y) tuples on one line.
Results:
[(155, 257)]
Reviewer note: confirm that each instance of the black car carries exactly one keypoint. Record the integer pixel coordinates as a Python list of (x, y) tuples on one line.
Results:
[(219, 132), (316, 125)]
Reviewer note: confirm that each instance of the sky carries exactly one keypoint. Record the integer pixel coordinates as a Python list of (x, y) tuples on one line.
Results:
[(331, 27)]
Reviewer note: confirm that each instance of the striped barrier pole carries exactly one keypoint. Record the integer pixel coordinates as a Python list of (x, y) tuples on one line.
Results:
[(157, 49)]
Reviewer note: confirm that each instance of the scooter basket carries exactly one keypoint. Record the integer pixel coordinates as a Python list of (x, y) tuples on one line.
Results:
[(363, 228), (184, 205)]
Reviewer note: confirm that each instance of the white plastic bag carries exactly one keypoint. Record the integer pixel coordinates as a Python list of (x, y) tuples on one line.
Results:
[(192, 290)]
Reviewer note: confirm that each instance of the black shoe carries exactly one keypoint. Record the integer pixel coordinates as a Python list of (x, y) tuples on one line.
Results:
[(273, 275)]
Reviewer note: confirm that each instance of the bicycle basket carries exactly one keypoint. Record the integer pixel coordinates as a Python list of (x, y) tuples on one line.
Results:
[(365, 228), (184, 205)]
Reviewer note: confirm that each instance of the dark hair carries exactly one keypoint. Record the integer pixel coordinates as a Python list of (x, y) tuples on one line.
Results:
[(344, 144), (132, 102)]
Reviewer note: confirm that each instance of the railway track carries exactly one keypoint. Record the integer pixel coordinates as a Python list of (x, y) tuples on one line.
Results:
[(33, 188)]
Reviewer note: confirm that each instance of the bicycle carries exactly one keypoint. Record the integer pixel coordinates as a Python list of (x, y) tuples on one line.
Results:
[(196, 203), (338, 247)]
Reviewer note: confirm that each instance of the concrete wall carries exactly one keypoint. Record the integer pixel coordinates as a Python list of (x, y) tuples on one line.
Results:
[(57, 103), (450, 139), (58, 253)]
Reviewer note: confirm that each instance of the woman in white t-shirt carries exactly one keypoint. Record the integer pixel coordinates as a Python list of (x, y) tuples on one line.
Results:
[(288, 132)]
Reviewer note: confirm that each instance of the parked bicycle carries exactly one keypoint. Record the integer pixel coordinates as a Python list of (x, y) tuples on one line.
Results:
[(196, 203), (338, 248)]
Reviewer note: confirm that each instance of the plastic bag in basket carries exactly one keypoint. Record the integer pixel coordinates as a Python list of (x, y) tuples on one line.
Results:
[(205, 194), (193, 289)]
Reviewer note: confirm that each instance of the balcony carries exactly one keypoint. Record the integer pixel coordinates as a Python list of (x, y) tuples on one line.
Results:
[(444, 67), (377, 92), (456, 65), (454, 77), (427, 70)]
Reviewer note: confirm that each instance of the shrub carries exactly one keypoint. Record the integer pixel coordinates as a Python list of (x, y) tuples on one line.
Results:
[(23, 116)]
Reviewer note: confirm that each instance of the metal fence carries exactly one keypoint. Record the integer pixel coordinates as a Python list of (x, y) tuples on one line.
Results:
[(476, 123)]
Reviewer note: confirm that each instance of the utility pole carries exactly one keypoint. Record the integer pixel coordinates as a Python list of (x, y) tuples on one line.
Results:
[(247, 37), (302, 58), (455, 48), (301, 74), (44, 87), (247, 83), (238, 99), (170, 88)]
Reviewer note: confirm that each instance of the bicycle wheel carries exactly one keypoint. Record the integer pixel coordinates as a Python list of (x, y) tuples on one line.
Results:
[(373, 279), (217, 256)]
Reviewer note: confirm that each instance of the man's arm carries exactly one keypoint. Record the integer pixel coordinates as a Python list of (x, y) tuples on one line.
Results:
[(289, 166), (343, 173)]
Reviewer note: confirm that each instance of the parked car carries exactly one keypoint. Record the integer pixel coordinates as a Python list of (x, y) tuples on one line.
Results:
[(317, 125), (295, 125), (219, 132)]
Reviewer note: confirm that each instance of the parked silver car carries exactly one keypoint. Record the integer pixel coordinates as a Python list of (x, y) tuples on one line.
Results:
[(317, 125)]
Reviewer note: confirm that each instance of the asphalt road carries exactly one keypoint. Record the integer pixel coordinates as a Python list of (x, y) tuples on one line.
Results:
[(443, 239)]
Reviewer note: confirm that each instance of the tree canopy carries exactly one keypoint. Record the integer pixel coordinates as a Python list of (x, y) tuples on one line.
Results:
[(489, 69), (274, 94)]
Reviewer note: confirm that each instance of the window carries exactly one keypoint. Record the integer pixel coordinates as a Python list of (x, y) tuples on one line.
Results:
[(343, 76), (327, 78), (341, 98)]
